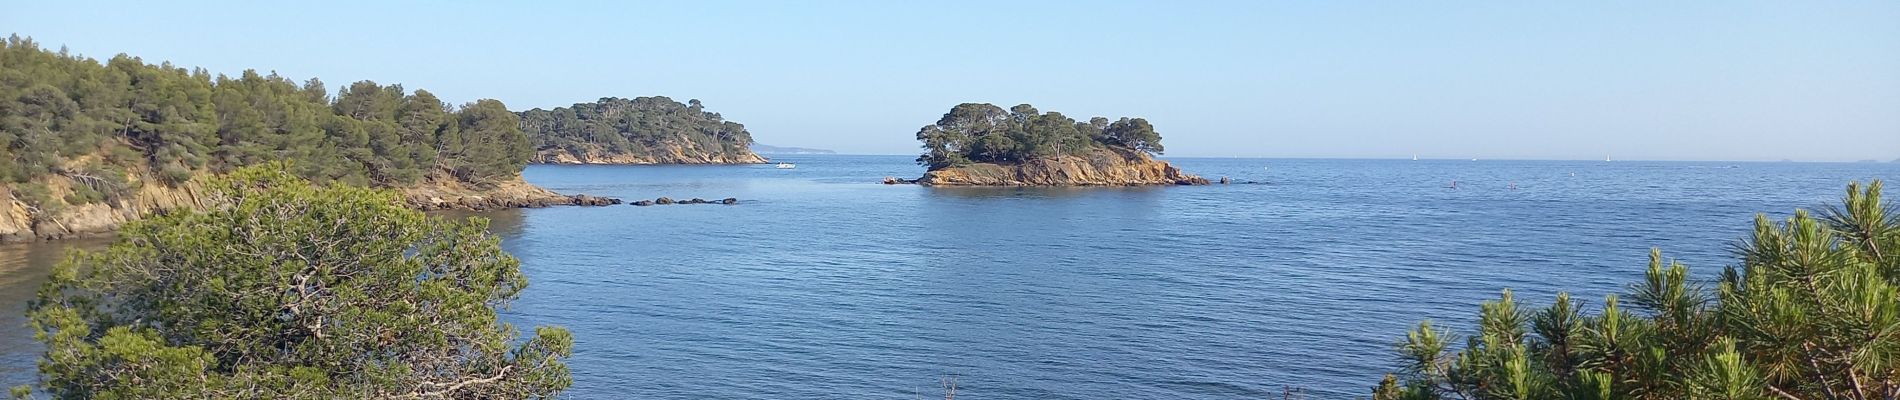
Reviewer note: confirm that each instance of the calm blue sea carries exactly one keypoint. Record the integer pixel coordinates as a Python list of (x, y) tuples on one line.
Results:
[(823, 283)]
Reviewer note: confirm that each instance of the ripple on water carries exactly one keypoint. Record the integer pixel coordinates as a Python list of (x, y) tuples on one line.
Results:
[(821, 284)]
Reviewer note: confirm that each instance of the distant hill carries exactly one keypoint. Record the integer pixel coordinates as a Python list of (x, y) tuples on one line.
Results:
[(641, 130), (769, 149)]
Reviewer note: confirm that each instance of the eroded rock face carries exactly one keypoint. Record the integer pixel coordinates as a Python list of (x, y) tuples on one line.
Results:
[(22, 222), (1098, 168)]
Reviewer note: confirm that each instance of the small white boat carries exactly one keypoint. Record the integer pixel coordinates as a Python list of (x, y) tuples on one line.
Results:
[(786, 165)]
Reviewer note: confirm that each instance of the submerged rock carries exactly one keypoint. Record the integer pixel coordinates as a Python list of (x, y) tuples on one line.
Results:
[(668, 200)]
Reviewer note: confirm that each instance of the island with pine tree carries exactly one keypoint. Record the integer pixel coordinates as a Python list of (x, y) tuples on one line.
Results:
[(980, 144)]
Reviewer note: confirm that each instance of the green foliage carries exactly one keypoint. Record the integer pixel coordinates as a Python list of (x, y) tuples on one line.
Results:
[(293, 291), (985, 133), (1812, 312), (636, 126), (57, 109)]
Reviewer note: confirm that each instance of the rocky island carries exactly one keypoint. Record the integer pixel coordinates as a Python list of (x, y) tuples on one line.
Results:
[(980, 144), (86, 146), (643, 130)]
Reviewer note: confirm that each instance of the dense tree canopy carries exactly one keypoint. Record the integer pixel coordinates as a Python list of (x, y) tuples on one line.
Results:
[(1811, 312), (985, 133), (635, 126), (67, 115), (293, 291)]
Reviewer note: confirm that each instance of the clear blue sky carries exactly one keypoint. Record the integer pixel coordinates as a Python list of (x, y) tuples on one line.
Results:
[(1731, 80)]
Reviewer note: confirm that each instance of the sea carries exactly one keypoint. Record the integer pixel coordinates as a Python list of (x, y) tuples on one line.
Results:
[(1298, 279)]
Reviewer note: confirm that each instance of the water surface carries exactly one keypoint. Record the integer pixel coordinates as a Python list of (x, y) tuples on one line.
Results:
[(822, 283)]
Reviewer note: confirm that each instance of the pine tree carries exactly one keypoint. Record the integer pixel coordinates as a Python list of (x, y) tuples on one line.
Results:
[(1811, 312), (293, 291)]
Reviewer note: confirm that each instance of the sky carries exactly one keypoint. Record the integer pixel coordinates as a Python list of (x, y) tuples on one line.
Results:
[(1633, 80)]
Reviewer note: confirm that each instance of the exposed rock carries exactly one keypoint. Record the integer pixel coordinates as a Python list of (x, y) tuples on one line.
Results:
[(1223, 180), (1102, 167), (514, 193), (22, 222), (586, 200), (668, 200)]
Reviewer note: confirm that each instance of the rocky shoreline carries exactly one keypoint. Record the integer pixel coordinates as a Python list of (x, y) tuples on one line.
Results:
[(449, 194), (20, 222), (1100, 168)]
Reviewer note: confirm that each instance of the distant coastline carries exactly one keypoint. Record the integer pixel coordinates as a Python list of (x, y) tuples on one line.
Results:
[(770, 149)]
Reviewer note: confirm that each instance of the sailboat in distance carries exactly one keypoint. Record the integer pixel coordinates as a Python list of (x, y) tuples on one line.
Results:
[(1414, 157)]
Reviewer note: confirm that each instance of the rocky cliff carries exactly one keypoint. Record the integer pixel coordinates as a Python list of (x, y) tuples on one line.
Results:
[(1102, 167), (662, 155), (20, 221)]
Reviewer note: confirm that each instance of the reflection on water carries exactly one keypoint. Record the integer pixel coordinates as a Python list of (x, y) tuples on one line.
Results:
[(977, 192), (504, 223)]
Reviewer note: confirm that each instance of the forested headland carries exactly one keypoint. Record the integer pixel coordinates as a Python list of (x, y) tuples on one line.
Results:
[(86, 144), (983, 144), (642, 130)]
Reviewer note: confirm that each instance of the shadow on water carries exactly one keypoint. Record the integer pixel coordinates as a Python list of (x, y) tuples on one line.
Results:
[(23, 267), (504, 222)]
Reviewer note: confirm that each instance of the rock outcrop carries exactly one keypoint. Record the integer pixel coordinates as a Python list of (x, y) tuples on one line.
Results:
[(665, 155), (20, 221), (1098, 168), (440, 192), (669, 201)]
